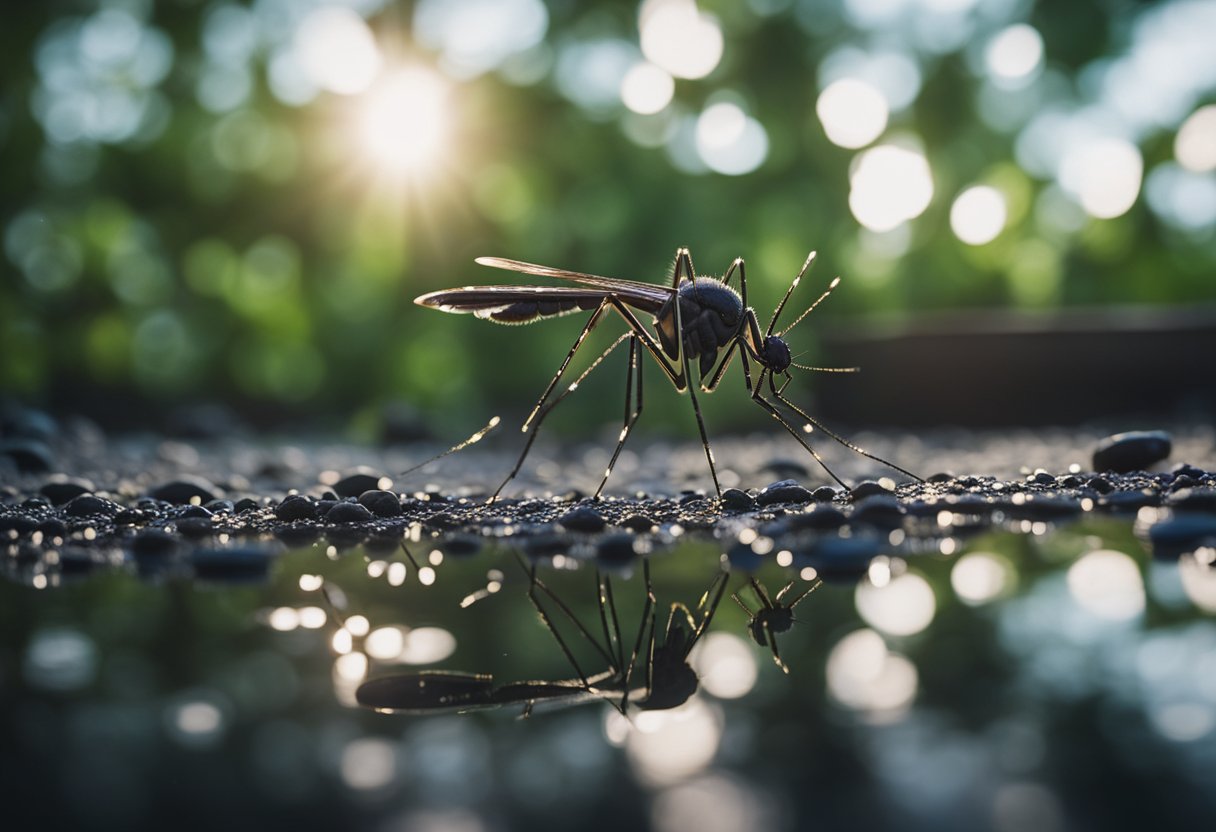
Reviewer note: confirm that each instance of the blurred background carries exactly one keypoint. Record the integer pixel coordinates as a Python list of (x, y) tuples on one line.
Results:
[(238, 201)]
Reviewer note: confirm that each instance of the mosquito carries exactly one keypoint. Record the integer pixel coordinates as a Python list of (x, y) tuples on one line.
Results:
[(697, 319), (773, 616), (668, 678)]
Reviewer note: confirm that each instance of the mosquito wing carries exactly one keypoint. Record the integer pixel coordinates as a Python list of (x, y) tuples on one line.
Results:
[(513, 304), (631, 291)]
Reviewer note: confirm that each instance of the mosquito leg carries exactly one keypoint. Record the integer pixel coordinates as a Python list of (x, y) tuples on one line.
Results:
[(709, 454), (762, 594), (715, 378), (648, 614), (813, 421), (772, 642), (720, 582), (807, 592), (607, 610), (781, 593), (544, 616), (544, 407), (759, 399), (746, 611), (631, 414)]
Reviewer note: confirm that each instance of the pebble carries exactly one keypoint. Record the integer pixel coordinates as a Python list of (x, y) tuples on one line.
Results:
[(824, 494), (582, 519), (295, 507), (195, 526), (88, 505), (783, 491), (1194, 499), (1132, 451), (381, 503), (348, 513), (616, 548), (29, 455), (130, 517), (1100, 484), (940, 477), (185, 489), (868, 488), (195, 511), (220, 507), (242, 563), (59, 491), (354, 484), (882, 511), (245, 504), (734, 499), (820, 518), (153, 543), (639, 523)]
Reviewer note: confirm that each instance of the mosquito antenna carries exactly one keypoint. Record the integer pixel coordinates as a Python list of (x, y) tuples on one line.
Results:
[(810, 258), (477, 437), (826, 369), (835, 282)]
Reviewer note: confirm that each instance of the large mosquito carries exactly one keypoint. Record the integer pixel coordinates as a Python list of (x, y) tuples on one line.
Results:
[(696, 319), (773, 616), (668, 678)]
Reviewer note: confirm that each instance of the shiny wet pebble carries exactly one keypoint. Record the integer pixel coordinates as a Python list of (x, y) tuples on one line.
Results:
[(1132, 451)]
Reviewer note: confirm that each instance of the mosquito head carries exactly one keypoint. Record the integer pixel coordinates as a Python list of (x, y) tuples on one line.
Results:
[(776, 354)]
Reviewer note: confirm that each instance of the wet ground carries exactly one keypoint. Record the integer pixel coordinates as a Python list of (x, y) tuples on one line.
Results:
[(1025, 640)]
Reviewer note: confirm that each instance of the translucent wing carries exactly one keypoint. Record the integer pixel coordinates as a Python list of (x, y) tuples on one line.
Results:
[(513, 304), (624, 288)]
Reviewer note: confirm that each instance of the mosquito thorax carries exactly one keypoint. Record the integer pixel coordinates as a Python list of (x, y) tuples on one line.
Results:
[(776, 354)]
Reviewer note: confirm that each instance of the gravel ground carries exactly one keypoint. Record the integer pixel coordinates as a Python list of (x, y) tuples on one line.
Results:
[(73, 498)]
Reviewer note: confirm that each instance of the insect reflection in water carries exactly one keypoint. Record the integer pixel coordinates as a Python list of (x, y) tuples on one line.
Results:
[(773, 615), (697, 319), (667, 678)]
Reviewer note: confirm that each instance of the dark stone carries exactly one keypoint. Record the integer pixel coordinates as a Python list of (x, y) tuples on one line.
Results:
[(53, 528), (243, 563), (381, 503), (733, 499), (1183, 533), (184, 490), (295, 507), (582, 519), (87, 505), (639, 523), (1183, 481), (868, 488), (354, 484), (29, 455), (328, 494), (153, 543), (1188, 470), (1043, 478), (783, 491), (220, 506), (1194, 499), (617, 548), (195, 526), (824, 494), (298, 536), (1100, 484), (61, 490), (17, 523), (1072, 481), (195, 511), (348, 513), (883, 511), (322, 507), (821, 518), (245, 504), (35, 504), (940, 477), (130, 517), (1132, 451)]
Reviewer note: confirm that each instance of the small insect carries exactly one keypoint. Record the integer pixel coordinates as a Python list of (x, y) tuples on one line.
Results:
[(668, 678), (773, 616), (697, 319)]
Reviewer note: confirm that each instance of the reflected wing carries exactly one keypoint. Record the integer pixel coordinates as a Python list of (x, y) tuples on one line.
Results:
[(432, 691), (525, 304), (623, 288)]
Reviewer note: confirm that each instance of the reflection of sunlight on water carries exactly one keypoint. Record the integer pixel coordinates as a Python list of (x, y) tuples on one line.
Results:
[(1107, 584), (284, 619), (889, 185), (196, 723), (59, 658), (725, 665), (979, 577), (678, 37), (424, 645), (903, 607), (1199, 577), (385, 643), (863, 675), (368, 763), (667, 746), (713, 802), (853, 112), (978, 215), (337, 50), (1014, 54)]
